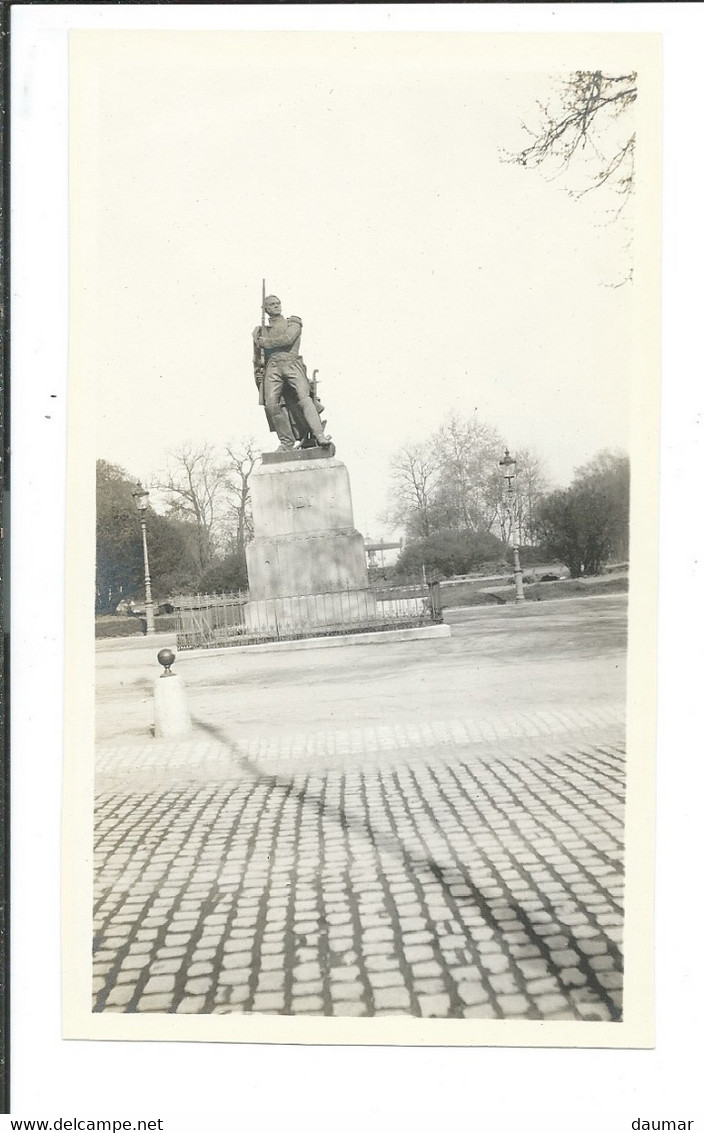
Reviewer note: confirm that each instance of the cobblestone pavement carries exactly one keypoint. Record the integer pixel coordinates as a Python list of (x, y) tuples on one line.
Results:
[(451, 868)]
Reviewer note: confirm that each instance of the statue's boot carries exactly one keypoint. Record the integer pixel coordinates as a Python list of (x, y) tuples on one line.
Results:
[(282, 424)]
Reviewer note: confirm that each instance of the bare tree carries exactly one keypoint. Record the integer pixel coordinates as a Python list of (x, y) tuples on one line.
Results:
[(242, 462), (414, 470), (196, 483), (531, 486), (469, 498), (450, 481), (588, 122)]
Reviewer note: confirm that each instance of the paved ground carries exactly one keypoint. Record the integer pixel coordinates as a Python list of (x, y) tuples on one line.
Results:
[(427, 828)]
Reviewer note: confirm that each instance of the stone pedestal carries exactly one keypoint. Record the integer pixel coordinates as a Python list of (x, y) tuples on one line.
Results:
[(305, 545)]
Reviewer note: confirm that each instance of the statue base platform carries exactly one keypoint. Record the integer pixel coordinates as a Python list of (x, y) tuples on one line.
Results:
[(298, 455), (305, 542)]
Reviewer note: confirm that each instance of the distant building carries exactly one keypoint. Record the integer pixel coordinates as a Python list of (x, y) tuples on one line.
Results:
[(381, 553)]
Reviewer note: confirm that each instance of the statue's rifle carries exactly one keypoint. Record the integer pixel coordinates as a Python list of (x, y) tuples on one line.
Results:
[(262, 359)]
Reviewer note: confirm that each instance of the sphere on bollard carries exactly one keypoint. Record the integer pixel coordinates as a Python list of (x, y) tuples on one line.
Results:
[(166, 657)]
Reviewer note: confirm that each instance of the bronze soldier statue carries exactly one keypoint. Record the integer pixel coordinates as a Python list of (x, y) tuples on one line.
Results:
[(289, 399)]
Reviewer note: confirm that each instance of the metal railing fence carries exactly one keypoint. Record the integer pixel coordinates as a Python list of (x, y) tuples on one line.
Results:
[(210, 620)]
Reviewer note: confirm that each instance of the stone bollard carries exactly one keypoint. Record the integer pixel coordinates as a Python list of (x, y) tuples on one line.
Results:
[(171, 715)]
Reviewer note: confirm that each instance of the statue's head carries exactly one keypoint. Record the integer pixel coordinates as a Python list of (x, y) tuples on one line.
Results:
[(272, 305)]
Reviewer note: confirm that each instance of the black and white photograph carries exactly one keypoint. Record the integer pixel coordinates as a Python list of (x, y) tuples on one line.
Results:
[(363, 352), (355, 618)]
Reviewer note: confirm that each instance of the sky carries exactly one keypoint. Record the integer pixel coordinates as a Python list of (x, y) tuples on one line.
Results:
[(361, 176)]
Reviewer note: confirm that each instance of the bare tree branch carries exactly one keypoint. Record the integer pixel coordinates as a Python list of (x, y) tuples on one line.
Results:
[(590, 101), (589, 138)]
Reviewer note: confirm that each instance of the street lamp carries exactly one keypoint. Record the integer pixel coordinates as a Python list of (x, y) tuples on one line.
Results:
[(508, 467), (141, 498)]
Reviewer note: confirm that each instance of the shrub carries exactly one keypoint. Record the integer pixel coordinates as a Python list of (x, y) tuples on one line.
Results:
[(116, 626), (226, 576), (447, 553), (530, 556), (165, 623)]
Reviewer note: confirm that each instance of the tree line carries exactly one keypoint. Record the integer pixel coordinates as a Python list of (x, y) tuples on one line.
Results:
[(446, 493), (196, 546)]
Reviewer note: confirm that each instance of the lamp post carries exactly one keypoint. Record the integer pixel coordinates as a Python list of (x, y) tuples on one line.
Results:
[(141, 498), (508, 467)]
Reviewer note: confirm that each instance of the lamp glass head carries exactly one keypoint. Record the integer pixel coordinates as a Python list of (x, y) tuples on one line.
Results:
[(507, 464), (141, 498)]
